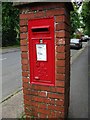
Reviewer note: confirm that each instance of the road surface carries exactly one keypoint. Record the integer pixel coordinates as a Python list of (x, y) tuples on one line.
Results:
[(75, 51), (11, 73), (79, 86)]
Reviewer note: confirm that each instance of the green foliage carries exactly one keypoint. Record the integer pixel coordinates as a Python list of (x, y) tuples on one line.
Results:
[(74, 20), (10, 24), (77, 36), (86, 17), (23, 117)]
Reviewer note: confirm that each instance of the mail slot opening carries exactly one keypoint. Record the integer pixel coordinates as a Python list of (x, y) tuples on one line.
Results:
[(40, 29)]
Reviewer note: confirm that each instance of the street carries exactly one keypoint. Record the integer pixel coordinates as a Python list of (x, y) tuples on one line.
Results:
[(11, 73), (75, 52), (79, 86)]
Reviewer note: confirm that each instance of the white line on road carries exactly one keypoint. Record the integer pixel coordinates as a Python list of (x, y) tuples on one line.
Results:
[(3, 59)]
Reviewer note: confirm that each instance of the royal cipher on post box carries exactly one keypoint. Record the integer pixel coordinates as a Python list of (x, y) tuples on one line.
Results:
[(42, 51)]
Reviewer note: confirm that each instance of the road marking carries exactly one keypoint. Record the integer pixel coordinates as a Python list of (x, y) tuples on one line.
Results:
[(3, 59)]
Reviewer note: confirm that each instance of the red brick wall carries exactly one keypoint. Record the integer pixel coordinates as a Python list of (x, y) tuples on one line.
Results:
[(39, 100)]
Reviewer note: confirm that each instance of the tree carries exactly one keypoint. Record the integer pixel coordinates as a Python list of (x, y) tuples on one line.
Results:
[(74, 19), (10, 24), (86, 17)]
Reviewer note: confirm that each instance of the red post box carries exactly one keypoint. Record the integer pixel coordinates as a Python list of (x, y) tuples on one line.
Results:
[(42, 51)]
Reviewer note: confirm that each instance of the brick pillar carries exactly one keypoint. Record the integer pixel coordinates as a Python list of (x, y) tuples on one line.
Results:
[(43, 101)]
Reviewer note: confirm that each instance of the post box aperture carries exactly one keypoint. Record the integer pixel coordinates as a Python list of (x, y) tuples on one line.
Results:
[(42, 51)]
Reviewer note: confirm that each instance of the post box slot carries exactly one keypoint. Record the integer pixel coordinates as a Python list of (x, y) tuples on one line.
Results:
[(44, 38), (40, 29)]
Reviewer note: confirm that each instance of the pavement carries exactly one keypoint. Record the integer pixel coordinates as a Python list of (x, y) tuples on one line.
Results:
[(13, 107), (79, 87), (11, 73)]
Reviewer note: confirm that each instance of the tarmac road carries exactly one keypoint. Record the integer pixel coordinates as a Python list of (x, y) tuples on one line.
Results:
[(11, 73), (79, 86), (75, 51)]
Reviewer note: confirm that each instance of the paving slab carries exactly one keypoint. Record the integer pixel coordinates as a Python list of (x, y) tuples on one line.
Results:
[(13, 107)]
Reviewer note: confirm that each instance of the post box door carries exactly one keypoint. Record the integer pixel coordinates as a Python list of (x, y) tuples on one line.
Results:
[(42, 51)]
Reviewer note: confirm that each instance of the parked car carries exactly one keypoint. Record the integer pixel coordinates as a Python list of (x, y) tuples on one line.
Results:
[(89, 38), (75, 43), (85, 38)]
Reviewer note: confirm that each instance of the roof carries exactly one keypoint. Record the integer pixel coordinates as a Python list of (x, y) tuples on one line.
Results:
[(22, 4)]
